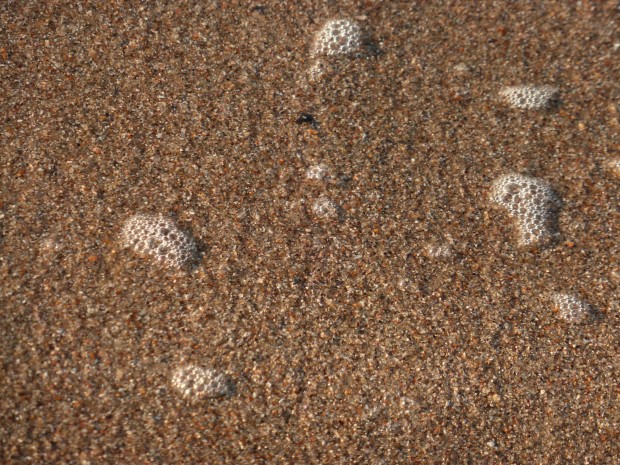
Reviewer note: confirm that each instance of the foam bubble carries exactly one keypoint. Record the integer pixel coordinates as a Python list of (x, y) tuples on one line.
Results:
[(159, 237), (338, 37), (325, 208), (529, 97), (571, 308), (532, 202), (193, 381), (438, 251), (318, 172)]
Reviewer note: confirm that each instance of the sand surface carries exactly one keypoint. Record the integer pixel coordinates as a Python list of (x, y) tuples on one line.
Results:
[(383, 313)]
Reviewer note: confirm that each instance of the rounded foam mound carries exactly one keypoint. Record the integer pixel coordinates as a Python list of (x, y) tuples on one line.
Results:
[(571, 308), (158, 237), (529, 97), (338, 37), (438, 251), (193, 381), (532, 202), (317, 172), (324, 207)]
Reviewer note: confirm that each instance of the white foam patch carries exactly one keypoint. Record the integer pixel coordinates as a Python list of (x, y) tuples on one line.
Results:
[(529, 97), (571, 308), (338, 37), (158, 237), (192, 381), (325, 208), (532, 202)]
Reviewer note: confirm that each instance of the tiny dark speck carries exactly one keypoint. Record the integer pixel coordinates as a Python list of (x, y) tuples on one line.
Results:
[(307, 118)]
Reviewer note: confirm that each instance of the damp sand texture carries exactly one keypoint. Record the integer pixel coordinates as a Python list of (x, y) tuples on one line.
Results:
[(333, 266)]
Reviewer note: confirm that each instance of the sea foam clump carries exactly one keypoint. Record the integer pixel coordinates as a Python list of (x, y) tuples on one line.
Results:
[(438, 251), (571, 308), (193, 381), (529, 97), (338, 37), (317, 172), (159, 237), (324, 207), (532, 202)]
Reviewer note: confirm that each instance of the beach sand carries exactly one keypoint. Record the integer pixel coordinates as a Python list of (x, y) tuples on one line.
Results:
[(380, 312)]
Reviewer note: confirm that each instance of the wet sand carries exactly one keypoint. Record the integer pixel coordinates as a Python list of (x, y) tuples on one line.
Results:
[(396, 321)]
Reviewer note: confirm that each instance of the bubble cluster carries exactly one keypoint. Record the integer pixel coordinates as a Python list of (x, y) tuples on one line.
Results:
[(532, 202), (50, 245), (160, 238), (317, 172), (325, 208), (193, 381), (338, 37), (438, 251), (529, 97), (571, 308), (461, 68)]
